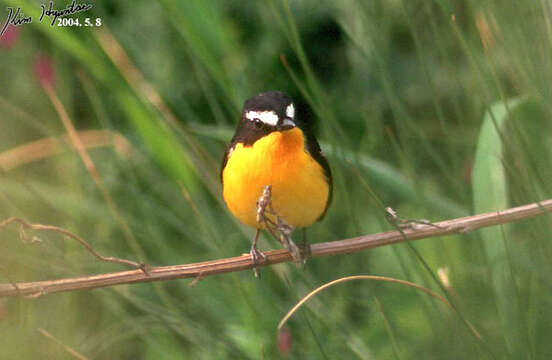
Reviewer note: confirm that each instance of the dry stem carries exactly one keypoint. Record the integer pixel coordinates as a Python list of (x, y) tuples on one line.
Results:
[(208, 268)]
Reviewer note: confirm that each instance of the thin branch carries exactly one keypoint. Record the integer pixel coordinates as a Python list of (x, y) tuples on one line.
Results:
[(357, 277), (68, 234), (60, 343), (239, 263)]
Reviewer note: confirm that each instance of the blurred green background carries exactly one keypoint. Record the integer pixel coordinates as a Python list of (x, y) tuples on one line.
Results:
[(438, 109)]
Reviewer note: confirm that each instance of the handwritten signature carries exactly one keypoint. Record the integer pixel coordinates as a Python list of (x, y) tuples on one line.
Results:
[(17, 18)]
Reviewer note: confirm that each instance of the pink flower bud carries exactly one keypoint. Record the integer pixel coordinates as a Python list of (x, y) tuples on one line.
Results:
[(9, 38), (44, 71), (284, 341)]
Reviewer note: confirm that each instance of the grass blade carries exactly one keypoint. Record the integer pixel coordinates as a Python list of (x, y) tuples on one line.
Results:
[(490, 193)]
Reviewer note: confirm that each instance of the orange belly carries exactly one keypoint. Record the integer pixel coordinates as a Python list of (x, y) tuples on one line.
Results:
[(300, 189)]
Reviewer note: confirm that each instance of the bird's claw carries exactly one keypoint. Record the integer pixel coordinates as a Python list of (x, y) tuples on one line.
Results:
[(256, 256), (305, 251)]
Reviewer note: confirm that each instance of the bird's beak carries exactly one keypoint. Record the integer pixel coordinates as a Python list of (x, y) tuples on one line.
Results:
[(286, 124)]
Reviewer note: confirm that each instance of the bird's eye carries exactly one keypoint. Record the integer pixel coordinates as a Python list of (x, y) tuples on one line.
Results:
[(258, 123)]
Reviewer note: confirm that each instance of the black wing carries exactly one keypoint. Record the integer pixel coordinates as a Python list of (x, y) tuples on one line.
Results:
[(225, 158), (314, 149), (304, 120)]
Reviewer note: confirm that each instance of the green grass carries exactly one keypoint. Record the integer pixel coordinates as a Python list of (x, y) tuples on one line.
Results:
[(437, 109)]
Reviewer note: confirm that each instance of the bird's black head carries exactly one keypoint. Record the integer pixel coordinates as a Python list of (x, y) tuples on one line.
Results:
[(263, 114)]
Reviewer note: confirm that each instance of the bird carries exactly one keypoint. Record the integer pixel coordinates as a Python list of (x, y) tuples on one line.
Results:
[(274, 149)]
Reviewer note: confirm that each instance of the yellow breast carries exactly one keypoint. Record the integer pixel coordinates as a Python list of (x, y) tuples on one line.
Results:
[(299, 187)]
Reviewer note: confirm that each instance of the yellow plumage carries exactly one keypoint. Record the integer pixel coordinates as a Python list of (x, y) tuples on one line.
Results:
[(300, 189)]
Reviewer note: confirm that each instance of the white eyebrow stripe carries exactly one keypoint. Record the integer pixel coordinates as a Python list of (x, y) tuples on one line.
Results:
[(268, 117), (290, 111)]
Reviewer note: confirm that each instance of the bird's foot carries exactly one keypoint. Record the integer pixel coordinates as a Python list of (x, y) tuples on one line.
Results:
[(256, 256), (305, 251), (296, 252)]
